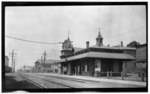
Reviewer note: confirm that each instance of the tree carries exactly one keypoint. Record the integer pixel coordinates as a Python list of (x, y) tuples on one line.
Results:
[(133, 44)]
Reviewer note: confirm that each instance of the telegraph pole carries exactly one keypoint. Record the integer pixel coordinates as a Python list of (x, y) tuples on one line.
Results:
[(12, 64), (44, 57), (12, 54)]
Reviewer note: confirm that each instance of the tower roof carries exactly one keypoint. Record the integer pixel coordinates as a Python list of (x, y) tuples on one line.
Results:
[(99, 35)]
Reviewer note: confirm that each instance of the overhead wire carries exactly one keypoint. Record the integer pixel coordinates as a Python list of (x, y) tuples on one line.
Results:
[(29, 40), (127, 32), (61, 42)]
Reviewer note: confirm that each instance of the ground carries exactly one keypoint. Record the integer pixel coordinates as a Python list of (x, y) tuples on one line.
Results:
[(42, 81), (14, 81)]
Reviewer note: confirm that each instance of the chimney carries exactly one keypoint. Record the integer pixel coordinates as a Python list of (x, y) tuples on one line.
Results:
[(87, 44), (121, 43)]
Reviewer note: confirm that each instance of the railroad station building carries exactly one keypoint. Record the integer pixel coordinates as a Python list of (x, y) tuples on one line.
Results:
[(94, 59)]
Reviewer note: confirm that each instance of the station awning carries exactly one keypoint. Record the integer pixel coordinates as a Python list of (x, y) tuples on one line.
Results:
[(122, 56)]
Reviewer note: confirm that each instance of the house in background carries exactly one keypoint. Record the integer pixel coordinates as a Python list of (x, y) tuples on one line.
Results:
[(140, 63), (95, 59), (141, 57), (27, 68)]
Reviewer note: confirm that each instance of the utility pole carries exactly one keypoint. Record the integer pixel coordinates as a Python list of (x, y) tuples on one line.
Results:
[(12, 64), (44, 57), (12, 54)]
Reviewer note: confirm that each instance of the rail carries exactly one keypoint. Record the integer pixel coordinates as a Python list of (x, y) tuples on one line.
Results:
[(33, 82), (47, 80)]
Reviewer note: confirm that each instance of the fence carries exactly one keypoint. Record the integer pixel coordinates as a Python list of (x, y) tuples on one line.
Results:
[(107, 74), (116, 74)]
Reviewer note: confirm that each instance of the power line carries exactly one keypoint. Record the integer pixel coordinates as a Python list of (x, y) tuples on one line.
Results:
[(29, 40), (127, 32), (61, 42)]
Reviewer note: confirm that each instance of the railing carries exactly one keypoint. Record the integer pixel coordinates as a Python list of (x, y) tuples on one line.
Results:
[(139, 71), (106, 74), (135, 70), (116, 74)]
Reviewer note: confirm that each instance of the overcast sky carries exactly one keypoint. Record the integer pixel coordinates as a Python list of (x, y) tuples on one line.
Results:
[(52, 23)]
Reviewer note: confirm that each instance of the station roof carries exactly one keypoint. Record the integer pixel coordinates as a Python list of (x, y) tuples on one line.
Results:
[(114, 48), (76, 49), (122, 56)]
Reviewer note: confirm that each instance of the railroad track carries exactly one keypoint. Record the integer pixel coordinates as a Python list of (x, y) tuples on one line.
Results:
[(33, 82), (44, 83), (65, 78), (71, 79), (50, 81)]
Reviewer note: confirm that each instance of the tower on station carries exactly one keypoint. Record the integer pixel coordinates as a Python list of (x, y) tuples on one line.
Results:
[(99, 39)]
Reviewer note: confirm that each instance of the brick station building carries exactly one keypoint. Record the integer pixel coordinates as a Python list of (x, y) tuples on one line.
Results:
[(97, 59)]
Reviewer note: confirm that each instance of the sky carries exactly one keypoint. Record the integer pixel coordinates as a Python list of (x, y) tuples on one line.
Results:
[(52, 23)]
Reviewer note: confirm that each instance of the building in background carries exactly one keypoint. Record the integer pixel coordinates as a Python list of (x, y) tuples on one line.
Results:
[(94, 59), (6, 61), (26, 69), (141, 57), (140, 63), (7, 68), (49, 66)]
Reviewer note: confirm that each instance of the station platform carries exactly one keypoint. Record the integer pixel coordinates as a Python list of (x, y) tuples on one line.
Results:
[(97, 79)]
